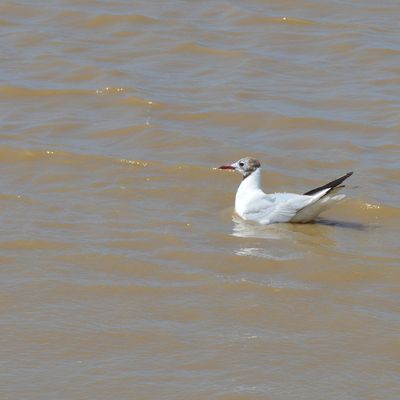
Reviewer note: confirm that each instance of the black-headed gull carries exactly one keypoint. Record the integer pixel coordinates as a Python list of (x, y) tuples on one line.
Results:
[(253, 204)]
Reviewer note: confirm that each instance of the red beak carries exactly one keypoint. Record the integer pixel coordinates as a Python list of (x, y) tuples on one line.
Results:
[(226, 167)]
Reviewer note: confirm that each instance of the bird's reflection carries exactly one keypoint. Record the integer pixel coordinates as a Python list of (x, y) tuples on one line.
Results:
[(280, 235), (268, 253), (249, 229), (286, 241), (289, 241)]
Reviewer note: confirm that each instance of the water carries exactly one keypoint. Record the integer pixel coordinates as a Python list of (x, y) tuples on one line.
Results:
[(124, 273)]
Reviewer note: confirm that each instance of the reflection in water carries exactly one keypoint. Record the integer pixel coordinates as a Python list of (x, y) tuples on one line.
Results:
[(282, 247), (289, 241), (249, 229), (270, 253)]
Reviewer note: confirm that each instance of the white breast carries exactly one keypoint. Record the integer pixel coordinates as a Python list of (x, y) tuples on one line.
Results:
[(249, 196)]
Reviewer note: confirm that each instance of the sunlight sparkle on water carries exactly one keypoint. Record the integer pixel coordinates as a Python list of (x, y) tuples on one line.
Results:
[(110, 90)]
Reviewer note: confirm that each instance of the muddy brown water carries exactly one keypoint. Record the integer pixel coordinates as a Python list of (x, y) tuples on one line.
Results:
[(124, 273)]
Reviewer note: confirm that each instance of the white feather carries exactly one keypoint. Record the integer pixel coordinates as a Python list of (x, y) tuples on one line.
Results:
[(253, 204)]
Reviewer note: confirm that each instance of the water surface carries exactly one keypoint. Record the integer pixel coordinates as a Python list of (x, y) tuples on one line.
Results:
[(124, 273)]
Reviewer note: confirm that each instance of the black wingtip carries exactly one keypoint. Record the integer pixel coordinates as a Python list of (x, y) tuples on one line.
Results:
[(330, 185)]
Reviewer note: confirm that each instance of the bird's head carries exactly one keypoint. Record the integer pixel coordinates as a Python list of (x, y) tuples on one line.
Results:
[(246, 166)]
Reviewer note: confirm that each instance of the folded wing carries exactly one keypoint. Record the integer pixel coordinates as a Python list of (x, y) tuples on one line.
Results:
[(281, 207)]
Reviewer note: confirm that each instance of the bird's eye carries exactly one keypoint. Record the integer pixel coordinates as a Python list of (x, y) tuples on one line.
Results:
[(241, 164)]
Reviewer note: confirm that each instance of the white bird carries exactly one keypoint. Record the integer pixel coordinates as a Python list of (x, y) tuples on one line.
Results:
[(253, 204)]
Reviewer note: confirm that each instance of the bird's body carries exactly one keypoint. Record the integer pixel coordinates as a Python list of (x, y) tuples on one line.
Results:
[(251, 203)]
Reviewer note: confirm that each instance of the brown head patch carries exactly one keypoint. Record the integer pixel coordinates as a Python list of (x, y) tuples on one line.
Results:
[(248, 165)]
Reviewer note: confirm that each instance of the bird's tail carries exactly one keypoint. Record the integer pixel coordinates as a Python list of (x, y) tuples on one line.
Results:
[(310, 212)]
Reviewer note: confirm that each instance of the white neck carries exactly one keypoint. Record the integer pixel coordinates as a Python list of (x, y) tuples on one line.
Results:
[(249, 188)]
